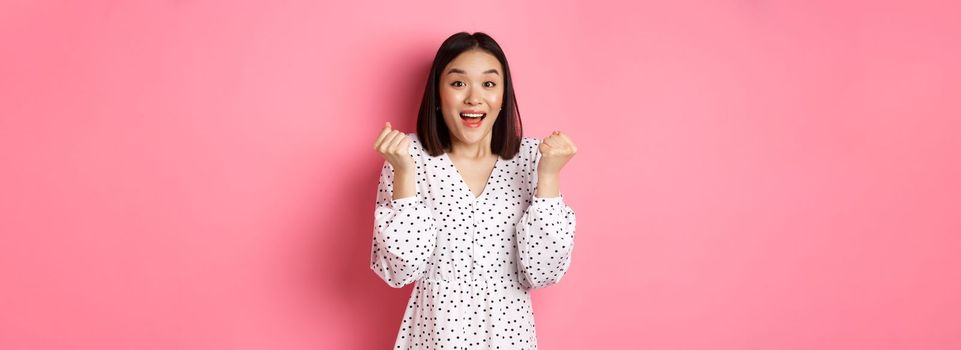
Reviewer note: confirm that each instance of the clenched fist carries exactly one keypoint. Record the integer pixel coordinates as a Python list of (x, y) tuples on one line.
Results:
[(556, 150), (392, 145)]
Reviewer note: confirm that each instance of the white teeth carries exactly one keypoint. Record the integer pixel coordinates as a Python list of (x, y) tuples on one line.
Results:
[(472, 115)]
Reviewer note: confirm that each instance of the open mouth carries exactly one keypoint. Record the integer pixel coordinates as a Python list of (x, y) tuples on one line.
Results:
[(473, 117)]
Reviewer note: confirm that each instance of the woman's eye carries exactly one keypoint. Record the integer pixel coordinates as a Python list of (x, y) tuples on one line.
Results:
[(489, 84), (457, 83)]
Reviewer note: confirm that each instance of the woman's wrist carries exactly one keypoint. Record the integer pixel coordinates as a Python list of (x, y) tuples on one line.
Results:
[(404, 184), (548, 186)]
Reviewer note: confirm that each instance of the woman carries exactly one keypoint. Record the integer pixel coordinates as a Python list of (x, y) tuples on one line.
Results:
[(469, 209)]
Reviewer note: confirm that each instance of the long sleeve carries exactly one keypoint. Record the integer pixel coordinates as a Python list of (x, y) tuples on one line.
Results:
[(405, 234), (545, 238)]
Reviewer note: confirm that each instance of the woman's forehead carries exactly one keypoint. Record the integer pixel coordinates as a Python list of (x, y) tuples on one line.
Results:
[(474, 62)]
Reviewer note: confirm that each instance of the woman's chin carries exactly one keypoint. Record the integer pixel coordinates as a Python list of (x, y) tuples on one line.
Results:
[(472, 135)]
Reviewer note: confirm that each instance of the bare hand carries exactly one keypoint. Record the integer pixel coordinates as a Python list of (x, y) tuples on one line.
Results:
[(556, 150), (392, 145)]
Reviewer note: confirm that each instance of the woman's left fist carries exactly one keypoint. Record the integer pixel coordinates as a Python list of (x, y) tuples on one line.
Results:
[(556, 150)]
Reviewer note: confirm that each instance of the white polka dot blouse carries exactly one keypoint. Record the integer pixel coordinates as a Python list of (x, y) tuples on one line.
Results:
[(473, 259)]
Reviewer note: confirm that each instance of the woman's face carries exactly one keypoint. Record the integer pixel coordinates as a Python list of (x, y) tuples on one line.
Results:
[(470, 86)]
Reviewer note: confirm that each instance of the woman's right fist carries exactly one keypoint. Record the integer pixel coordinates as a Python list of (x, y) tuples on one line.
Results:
[(392, 145)]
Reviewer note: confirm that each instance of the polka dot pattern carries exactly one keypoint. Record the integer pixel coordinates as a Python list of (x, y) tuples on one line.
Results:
[(473, 260)]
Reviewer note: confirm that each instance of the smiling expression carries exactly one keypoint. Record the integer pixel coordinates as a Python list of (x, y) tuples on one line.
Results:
[(471, 94)]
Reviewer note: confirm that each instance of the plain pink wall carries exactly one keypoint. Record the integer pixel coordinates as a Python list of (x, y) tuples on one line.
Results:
[(752, 174)]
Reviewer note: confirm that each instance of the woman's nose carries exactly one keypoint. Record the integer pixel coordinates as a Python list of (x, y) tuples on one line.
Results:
[(473, 97)]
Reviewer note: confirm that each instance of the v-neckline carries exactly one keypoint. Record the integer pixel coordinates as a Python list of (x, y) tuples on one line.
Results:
[(464, 185)]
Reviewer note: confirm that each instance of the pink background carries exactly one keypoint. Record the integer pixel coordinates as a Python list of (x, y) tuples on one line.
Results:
[(751, 174)]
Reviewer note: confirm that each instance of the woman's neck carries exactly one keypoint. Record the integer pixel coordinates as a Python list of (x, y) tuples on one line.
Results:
[(478, 150)]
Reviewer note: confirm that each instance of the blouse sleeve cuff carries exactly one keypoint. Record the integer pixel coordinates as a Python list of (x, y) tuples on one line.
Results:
[(548, 200), (406, 202)]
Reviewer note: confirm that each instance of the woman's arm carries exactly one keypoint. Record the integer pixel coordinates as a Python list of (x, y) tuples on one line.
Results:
[(404, 185), (405, 233), (545, 233), (545, 241), (548, 185)]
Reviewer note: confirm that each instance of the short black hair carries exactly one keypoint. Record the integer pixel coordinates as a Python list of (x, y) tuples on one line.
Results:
[(433, 133)]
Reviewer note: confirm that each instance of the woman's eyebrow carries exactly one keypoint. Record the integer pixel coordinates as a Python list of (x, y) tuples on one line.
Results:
[(458, 71)]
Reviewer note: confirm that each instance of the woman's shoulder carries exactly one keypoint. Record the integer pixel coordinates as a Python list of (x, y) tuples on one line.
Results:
[(415, 146), (528, 142), (530, 146), (413, 137)]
